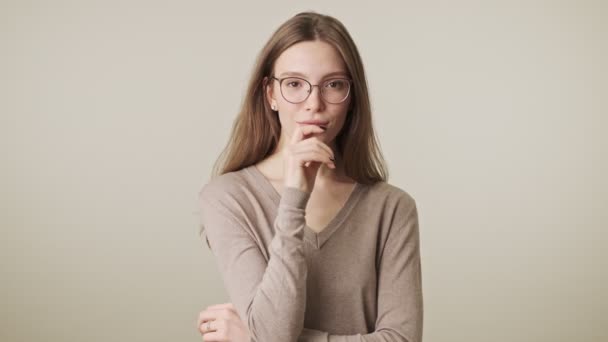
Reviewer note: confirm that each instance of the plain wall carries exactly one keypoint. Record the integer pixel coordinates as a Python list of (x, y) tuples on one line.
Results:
[(491, 114)]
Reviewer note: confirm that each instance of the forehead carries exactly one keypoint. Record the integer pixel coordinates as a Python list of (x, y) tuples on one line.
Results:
[(310, 59)]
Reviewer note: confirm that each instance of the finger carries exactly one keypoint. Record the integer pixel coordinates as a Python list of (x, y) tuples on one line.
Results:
[(316, 146), (207, 315), (207, 327), (309, 156), (331, 165), (302, 131), (315, 142), (223, 311), (327, 149), (296, 135), (213, 337), (228, 306)]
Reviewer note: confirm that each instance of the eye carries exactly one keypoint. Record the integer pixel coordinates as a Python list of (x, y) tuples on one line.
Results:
[(293, 84), (336, 84)]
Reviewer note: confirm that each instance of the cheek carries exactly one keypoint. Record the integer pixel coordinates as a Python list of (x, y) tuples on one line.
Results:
[(286, 122), (339, 122), (335, 128)]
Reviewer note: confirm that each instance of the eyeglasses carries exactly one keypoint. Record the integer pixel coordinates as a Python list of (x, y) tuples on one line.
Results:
[(297, 90)]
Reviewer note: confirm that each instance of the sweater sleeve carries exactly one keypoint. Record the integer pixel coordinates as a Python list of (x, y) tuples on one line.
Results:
[(270, 296), (400, 303)]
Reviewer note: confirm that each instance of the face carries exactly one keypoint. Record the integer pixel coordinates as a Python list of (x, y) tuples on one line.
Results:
[(316, 62)]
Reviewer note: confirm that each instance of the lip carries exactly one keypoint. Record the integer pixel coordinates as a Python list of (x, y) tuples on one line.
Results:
[(314, 122)]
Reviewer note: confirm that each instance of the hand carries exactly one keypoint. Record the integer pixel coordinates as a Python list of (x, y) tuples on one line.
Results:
[(226, 325), (303, 156)]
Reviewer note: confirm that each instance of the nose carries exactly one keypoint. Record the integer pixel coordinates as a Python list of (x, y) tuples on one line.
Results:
[(315, 99)]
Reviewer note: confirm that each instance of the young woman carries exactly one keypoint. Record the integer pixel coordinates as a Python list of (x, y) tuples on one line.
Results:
[(312, 242)]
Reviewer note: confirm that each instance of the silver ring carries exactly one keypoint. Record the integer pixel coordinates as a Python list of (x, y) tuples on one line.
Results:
[(208, 325)]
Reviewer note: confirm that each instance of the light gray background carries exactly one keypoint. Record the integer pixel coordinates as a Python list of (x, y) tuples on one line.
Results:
[(491, 114)]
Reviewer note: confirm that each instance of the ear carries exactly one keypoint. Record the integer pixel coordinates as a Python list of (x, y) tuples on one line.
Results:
[(268, 91)]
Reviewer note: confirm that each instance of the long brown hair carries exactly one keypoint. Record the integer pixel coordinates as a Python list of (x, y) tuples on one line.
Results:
[(256, 130)]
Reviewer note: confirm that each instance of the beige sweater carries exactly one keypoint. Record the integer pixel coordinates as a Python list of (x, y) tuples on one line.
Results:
[(359, 279)]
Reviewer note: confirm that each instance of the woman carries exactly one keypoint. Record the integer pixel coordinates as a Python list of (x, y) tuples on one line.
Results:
[(312, 242)]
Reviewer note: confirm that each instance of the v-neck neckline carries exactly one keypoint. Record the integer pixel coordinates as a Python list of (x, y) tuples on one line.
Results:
[(317, 240)]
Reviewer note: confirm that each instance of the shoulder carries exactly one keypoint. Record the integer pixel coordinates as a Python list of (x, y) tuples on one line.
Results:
[(227, 197), (221, 189), (231, 194), (220, 201), (397, 204), (391, 194)]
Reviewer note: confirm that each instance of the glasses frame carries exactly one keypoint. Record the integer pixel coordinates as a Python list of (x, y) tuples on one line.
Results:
[(350, 83)]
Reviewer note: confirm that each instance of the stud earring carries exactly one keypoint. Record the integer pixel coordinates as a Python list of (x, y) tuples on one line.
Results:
[(273, 107)]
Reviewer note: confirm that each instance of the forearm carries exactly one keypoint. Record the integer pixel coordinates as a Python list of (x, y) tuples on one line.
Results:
[(268, 291), (277, 310), (312, 335)]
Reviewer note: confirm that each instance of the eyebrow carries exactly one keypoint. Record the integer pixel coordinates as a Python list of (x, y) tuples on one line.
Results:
[(295, 73)]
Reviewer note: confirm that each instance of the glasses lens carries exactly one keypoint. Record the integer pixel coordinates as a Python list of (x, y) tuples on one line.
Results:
[(336, 90), (295, 89)]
